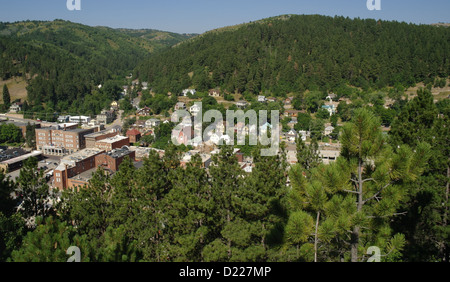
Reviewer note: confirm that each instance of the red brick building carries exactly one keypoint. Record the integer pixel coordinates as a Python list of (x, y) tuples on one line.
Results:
[(74, 165), (91, 139), (112, 143), (112, 160), (61, 141), (134, 135)]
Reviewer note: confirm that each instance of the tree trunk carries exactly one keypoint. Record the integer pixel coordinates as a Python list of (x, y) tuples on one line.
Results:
[(316, 236), (356, 229), (354, 244)]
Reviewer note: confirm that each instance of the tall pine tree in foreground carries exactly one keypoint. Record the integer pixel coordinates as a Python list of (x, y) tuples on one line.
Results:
[(379, 178)]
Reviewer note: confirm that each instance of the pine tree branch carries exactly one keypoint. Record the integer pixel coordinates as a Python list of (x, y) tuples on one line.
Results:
[(394, 214), (379, 192), (350, 191)]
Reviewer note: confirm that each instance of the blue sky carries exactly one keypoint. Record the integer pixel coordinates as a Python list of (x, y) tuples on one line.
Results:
[(197, 16)]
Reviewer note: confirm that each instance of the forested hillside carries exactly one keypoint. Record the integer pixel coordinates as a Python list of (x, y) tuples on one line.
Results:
[(64, 61), (296, 53)]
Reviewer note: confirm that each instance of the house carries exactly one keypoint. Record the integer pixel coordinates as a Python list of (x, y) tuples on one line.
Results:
[(332, 97), (265, 127), (262, 99), (303, 134), (152, 123), (134, 135), (80, 119), (328, 130), (186, 92), (180, 106), (114, 105), (106, 117), (288, 101), (242, 104), (139, 124), (195, 109), (292, 122), (15, 108), (330, 108), (63, 119), (271, 100), (145, 111), (214, 93), (205, 158), (329, 155), (291, 113), (144, 85), (292, 135)]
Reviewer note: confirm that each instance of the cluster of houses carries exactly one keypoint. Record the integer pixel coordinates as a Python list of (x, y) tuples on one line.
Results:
[(83, 150)]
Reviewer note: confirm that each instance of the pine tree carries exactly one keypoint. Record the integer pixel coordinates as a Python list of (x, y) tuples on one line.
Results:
[(428, 207), (188, 212), (49, 242), (34, 192), (226, 182), (6, 97), (377, 174), (90, 217), (308, 155)]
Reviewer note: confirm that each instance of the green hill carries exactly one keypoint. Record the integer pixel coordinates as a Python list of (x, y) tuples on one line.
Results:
[(293, 53), (63, 61)]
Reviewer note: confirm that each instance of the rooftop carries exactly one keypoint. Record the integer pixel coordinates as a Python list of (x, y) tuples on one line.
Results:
[(114, 139), (118, 153), (133, 132), (23, 157), (71, 160), (97, 134)]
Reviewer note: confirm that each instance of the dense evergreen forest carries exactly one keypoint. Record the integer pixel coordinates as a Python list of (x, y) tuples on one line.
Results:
[(64, 62), (303, 52)]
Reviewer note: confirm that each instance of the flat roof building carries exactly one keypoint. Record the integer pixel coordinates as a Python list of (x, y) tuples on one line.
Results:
[(111, 143), (73, 165)]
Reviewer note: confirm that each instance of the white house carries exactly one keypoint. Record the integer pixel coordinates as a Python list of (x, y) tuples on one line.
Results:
[(185, 92), (241, 104), (63, 119), (195, 109), (80, 119), (330, 108), (292, 135), (15, 108), (214, 93), (152, 123), (262, 99)]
